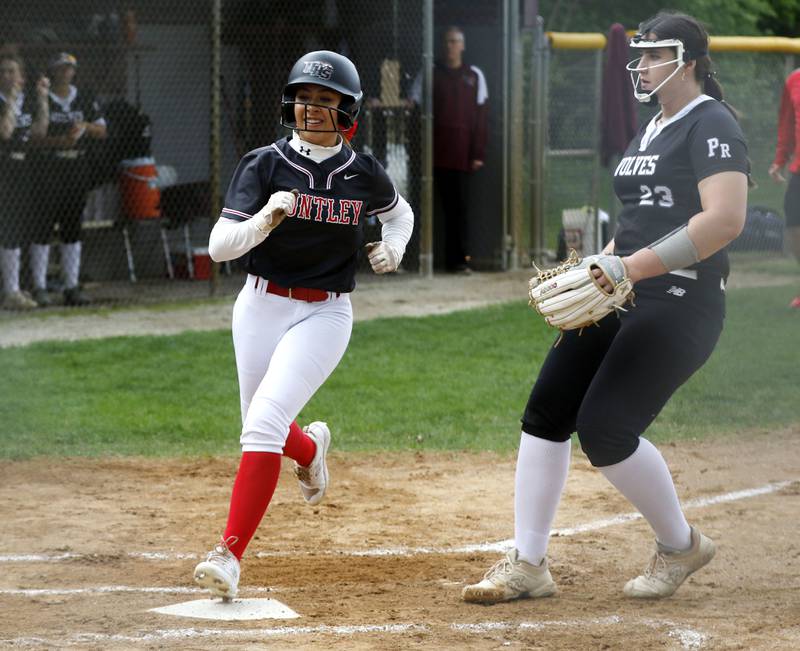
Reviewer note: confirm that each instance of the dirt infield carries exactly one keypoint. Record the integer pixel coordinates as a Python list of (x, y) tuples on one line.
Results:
[(87, 547)]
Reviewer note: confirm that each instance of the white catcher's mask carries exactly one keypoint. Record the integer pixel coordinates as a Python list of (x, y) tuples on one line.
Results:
[(633, 67)]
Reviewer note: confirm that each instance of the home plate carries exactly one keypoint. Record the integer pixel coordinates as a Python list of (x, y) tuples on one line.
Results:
[(238, 609)]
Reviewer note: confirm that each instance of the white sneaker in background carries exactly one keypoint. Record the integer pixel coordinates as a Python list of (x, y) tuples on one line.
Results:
[(18, 301)]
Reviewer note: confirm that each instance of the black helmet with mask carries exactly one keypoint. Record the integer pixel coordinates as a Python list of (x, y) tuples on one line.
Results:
[(331, 70)]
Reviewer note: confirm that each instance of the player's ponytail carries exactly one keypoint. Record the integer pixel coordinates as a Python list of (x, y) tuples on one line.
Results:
[(707, 76)]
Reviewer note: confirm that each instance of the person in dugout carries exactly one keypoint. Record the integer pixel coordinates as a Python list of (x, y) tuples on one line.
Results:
[(63, 179)]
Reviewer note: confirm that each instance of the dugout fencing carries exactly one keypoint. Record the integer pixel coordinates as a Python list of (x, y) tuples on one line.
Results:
[(564, 100), (187, 87)]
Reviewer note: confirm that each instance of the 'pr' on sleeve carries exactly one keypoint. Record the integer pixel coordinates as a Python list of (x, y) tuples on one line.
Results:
[(717, 144)]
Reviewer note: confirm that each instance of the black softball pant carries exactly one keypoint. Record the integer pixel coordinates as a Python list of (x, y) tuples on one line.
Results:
[(609, 383), (452, 215), (61, 192), (15, 205), (791, 201)]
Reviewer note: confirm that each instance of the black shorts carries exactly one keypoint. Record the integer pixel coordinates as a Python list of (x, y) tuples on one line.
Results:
[(608, 383), (791, 201), (63, 185), (16, 211)]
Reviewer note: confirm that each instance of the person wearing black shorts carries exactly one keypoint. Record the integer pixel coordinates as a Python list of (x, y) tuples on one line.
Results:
[(64, 179), (788, 151), (683, 184), (23, 116)]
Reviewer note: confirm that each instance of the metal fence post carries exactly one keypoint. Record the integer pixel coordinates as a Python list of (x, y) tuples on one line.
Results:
[(595, 196), (214, 140), (538, 129), (426, 194), (512, 234)]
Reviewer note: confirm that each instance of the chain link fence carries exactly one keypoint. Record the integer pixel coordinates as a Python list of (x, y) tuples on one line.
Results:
[(575, 182), (113, 201)]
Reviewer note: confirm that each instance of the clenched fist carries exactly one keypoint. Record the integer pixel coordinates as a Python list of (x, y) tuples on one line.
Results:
[(279, 205), (383, 257)]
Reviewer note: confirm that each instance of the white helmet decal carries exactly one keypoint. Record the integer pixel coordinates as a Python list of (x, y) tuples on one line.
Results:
[(321, 69), (633, 67)]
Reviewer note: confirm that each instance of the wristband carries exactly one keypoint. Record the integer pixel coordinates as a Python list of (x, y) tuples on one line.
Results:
[(676, 249)]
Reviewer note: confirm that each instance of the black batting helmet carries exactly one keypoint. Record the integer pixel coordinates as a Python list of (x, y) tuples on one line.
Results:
[(329, 69)]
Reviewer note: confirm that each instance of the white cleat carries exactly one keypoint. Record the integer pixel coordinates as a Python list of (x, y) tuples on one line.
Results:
[(18, 301), (511, 578), (314, 477), (219, 573), (667, 571)]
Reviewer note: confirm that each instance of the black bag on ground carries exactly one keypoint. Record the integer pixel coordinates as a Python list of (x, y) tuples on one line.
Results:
[(763, 231)]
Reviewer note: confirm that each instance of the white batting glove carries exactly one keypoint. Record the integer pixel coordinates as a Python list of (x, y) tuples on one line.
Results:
[(279, 205), (383, 257)]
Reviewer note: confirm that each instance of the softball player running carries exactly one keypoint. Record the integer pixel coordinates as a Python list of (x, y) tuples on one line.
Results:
[(683, 184), (296, 210)]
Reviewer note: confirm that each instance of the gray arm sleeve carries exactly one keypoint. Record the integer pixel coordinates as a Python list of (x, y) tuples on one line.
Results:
[(676, 249)]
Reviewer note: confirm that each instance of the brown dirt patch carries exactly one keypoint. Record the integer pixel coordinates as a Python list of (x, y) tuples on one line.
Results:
[(103, 509)]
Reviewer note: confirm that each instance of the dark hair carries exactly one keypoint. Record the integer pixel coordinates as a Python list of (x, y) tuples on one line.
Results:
[(693, 35)]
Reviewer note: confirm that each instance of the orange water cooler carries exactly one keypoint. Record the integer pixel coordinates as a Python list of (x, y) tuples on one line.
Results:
[(138, 188)]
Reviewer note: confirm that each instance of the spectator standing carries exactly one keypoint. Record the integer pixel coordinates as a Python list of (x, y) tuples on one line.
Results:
[(460, 96), (75, 118), (22, 116), (788, 151)]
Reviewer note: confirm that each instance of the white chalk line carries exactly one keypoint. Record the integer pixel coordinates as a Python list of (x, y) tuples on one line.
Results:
[(159, 635), (500, 546), (110, 589), (688, 638)]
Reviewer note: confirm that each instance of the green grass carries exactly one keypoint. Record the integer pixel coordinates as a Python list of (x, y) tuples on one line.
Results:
[(457, 381), (769, 263)]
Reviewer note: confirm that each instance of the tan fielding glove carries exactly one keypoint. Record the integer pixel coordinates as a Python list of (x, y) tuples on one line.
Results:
[(570, 297)]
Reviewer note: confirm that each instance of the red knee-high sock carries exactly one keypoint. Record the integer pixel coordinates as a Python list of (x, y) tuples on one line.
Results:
[(299, 445), (252, 491)]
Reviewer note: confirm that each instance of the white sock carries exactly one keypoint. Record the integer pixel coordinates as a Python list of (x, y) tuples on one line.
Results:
[(9, 265), (542, 468), (40, 255), (645, 480), (71, 263)]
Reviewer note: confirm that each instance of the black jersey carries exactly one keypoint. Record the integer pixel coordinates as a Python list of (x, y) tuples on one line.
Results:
[(15, 148), (78, 106), (317, 245), (657, 178)]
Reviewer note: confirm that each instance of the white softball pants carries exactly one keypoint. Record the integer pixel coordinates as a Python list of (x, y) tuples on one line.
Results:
[(285, 349)]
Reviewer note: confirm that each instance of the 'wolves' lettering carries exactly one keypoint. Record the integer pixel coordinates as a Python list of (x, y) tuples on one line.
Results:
[(637, 166)]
